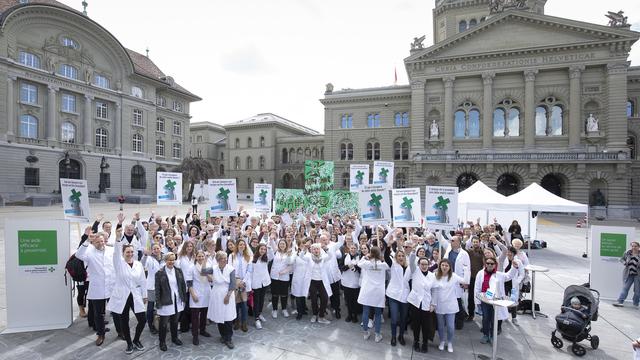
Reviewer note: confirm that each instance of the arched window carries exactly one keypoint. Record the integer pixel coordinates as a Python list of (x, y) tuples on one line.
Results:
[(307, 153), (315, 153), (68, 132), (299, 156), (373, 120), (160, 148), (29, 59), (292, 156), (508, 184), (631, 109), (400, 181), (28, 126), (549, 117), (472, 23), (102, 138), (553, 184), (71, 171), (285, 156), (345, 180), (138, 179), (68, 71), (236, 165), (137, 143), (249, 162), (237, 143), (261, 162), (221, 169), (506, 119), (287, 181), (346, 151), (401, 119), (462, 26), (400, 150), (176, 151), (249, 142), (467, 121), (261, 141), (465, 180), (373, 150)]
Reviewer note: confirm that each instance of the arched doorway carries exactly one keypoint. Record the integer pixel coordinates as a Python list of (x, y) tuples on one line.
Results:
[(287, 181), (465, 180), (553, 184), (300, 182), (508, 184), (71, 171)]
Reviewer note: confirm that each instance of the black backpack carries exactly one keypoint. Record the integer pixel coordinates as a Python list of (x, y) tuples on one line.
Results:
[(75, 268)]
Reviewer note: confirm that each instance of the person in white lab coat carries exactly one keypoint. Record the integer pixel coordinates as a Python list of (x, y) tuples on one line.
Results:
[(299, 289), (280, 278), (186, 260), (317, 281), (129, 293), (171, 294), (372, 292), (351, 282), (422, 305), (222, 302), (240, 259), (99, 261), (446, 299), (260, 280), (461, 265), (199, 285), (398, 289), (152, 263)]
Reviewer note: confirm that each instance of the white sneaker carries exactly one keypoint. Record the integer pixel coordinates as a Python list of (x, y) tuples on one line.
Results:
[(441, 346), (378, 337), (367, 335), (323, 321), (370, 324), (262, 318), (381, 319), (314, 318), (270, 305), (258, 325), (274, 314), (450, 347), (285, 313), (294, 312)]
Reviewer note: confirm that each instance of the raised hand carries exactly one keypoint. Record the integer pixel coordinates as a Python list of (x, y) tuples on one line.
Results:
[(121, 218)]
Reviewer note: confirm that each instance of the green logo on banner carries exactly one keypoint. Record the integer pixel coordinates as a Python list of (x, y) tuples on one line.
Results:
[(37, 247), (613, 245)]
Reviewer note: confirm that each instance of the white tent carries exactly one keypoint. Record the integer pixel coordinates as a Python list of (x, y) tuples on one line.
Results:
[(536, 198)]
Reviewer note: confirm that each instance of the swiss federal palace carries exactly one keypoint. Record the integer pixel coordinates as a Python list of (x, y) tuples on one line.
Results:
[(506, 94)]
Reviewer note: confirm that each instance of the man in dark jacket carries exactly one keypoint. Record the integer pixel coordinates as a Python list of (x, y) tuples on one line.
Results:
[(476, 257)]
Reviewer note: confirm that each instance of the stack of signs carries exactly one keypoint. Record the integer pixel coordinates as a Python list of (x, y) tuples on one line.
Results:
[(358, 176), (441, 207), (383, 174), (169, 188), (262, 197), (341, 203), (406, 207), (224, 198), (75, 200), (375, 207)]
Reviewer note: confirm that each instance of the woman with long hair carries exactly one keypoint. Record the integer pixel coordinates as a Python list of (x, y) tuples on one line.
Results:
[(186, 259), (372, 292), (397, 291), (152, 263), (299, 290), (446, 301), (199, 285), (422, 305), (260, 280), (240, 260), (351, 283), (280, 270)]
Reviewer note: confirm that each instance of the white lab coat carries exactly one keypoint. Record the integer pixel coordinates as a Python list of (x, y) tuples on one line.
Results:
[(100, 270), (298, 288), (333, 250), (152, 266), (325, 269), (351, 277), (445, 293), (185, 264), (496, 284), (421, 293), (398, 288), (201, 286), (260, 276), (281, 266), (128, 280), (462, 266), (372, 287), (247, 269), (218, 311)]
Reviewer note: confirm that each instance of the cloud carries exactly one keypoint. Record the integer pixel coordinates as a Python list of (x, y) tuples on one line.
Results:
[(247, 60)]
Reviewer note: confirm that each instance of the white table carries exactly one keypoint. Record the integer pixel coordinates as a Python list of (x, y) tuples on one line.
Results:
[(496, 304), (534, 269)]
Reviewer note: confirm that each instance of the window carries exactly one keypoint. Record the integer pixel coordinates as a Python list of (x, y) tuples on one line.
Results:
[(29, 59), (137, 92), (472, 23), (137, 143), (345, 180), (161, 101), (177, 106), (138, 178), (160, 148), (137, 117), (465, 180), (261, 141), (102, 110), (373, 150), (237, 143), (402, 119), (237, 163), (102, 138), (462, 26), (630, 109), (69, 42), (401, 181), (373, 120), (221, 156), (549, 117), (199, 153), (467, 121), (177, 128), (28, 127), (249, 162), (160, 124), (68, 71), (28, 93), (177, 150), (249, 183), (347, 121), (261, 162), (221, 169), (506, 119), (101, 81), (199, 138), (400, 150), (68, 132), (346, 151), (68, 103), (249, 142), (31, 177), (285, 156)]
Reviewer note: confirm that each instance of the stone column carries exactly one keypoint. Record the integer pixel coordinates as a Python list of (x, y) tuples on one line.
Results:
[(529, 108), (487, 110), (417, 116), (51, 114), (616, 121), (87, 121), (448, 112), (117, 128), (576, 125), (11, 106)]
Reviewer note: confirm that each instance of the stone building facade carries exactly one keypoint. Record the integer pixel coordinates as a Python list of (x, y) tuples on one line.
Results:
[(75, 98)]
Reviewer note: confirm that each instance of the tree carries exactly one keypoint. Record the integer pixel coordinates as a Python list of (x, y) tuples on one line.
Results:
[(193, 170)]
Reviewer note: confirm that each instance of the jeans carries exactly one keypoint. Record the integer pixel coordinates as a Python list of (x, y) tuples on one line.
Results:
[(631, 280), (448, 321), (399, 312), (487, 319), (241, 310), (377, 318)]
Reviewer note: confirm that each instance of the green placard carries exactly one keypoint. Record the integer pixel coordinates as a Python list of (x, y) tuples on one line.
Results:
[(318, 176), (289, 199), (37, 247), (613, 245)]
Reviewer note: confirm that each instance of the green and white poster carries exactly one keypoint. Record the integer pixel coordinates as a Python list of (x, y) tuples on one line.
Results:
[(318, 176), (441, 207), (75, 200), (608, 245), (383, 174), (358, 176), (374, 203), (343, 202), (224, 197), (169, 188), (262, 197), (289, 200), (406, 207)]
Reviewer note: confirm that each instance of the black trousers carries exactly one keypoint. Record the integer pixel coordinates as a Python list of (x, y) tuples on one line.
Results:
[(98, 307), (351, 298), (198, 321), (471, 307), (301, 305), (124, 322), (173, 327), (422, 321), (185, 316), (226, 330), (316, 289), (460, 315), (82, 293), (335, 296), (258, 301)]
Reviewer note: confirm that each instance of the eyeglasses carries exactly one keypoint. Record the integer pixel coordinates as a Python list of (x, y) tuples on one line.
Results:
[(490, 263), (407, 247), (180, 220)]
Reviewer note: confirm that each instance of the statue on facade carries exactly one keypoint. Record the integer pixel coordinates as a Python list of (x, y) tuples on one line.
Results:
[(87, 76), (592, 124), (102, 186), (434, 132), (417, 42), (498, 6), (328, 88), (617, 19), (598, 199)]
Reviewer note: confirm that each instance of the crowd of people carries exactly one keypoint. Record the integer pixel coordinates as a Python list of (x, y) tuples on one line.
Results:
[(185, 273)]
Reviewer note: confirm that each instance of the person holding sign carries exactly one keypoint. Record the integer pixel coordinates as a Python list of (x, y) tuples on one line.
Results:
[(630, 275)]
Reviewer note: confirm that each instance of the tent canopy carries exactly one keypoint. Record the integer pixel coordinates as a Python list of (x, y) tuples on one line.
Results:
[(536, 198), (480, 196)]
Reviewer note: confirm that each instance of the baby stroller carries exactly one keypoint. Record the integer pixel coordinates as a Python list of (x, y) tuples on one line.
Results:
[(571, 323)]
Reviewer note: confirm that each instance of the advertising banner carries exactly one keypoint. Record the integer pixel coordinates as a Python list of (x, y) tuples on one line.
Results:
[(75, 200), (406, 207), (169, 188), (224, 197), (358, 176), (441, 207), (608, 245), (383, 174), (262, 197), (375, 206)]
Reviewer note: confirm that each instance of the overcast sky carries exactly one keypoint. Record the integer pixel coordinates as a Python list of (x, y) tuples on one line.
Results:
[(245, 57)]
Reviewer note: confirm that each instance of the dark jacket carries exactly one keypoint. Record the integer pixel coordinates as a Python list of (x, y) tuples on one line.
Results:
[(163, 289)]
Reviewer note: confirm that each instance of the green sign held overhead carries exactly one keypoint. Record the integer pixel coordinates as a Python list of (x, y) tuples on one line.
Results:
[(37, 247)]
